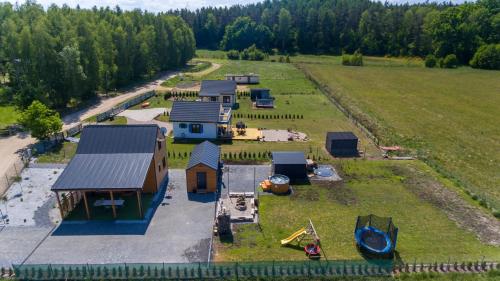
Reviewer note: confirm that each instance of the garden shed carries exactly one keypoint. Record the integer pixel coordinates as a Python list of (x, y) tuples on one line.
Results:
[(292, 164), (203, 170), (342, 144)]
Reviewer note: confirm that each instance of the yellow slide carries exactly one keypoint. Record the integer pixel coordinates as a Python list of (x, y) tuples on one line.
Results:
[(292, 237)]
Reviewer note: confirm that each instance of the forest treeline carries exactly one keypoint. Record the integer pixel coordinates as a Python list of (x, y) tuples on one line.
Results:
[(63, 55), (336, 26)]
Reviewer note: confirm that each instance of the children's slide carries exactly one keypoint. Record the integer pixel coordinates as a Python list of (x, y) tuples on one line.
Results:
[(294, 236)]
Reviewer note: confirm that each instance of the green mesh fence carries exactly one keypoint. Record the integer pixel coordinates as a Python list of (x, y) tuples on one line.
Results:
[(200, 270)]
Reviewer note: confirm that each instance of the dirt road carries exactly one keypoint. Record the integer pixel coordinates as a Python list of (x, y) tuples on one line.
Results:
[(72, 119)]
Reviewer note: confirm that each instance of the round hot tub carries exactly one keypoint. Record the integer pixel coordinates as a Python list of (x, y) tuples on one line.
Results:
[(280, 184)]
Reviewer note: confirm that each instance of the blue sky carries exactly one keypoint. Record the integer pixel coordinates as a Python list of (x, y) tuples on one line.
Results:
[(164, 5)]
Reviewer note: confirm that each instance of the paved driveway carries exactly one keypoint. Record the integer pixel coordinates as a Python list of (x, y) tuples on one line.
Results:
[(180, 231), (240, 178)]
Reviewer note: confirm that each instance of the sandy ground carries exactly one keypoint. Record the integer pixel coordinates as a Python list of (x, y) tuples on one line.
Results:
[(143, 114), (9, 148)]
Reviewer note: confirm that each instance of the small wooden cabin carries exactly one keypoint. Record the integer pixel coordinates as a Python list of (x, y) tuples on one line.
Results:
[(203, 170)]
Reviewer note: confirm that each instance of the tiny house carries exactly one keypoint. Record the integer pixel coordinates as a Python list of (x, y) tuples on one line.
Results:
[(342, 144), (244, 78), (203, 170)]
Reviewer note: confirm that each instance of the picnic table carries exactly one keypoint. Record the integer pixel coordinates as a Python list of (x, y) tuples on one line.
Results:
[(107, 203)]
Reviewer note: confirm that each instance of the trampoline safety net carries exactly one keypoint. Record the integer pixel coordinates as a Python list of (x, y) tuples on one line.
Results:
[(384, 224)]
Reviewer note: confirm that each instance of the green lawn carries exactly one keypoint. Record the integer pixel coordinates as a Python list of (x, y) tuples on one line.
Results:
[(62, 153), (378, 187), (8, 115), (448, 116), (294, 95)]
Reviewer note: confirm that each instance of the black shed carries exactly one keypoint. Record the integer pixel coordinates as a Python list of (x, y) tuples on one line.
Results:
[(342, 144), (291, 164)]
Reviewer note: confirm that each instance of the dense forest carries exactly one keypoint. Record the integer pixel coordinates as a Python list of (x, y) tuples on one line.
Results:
[(335, 26), (63, 55)]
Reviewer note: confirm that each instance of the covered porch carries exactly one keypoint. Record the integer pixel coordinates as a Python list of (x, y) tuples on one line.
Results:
[(102, 204)]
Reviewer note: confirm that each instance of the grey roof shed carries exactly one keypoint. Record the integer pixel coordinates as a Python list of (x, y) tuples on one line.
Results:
[(213, 88), (205, 153), (195, 111), (292, 164)]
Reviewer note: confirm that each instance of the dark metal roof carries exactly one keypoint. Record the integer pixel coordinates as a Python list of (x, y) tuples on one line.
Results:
[(341, 136), (205, 153), (211, 88), (289, 157), (195, 111), (110, 157), (105, 172), (96, 139)]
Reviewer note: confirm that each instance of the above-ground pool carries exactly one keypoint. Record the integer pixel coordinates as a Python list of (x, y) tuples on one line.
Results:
[(373, 240), (324, 171)]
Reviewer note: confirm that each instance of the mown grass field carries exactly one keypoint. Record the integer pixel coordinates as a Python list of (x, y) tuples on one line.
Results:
[(379, 187), (448, 116), (294, 95)]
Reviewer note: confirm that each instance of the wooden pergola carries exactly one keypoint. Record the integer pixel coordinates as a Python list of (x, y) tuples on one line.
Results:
[(83, 194)]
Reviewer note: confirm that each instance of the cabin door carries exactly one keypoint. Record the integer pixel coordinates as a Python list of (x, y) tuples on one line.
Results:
[(201, 181)]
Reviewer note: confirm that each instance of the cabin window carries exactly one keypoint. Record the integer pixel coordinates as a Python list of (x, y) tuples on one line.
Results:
[(226, 99), (164, 162), (183, 125), (159, 168), (213, 98), (159, 145), (196, 128)]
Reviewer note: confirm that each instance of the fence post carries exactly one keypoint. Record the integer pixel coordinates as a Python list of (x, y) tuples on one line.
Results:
[(236, 271)]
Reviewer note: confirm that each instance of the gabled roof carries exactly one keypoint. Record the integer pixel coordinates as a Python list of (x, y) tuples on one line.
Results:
[(195, 111), (341, 136), (289, 157), (118, 139), (110, 157), (205, 153), (213, 88), (105, 171)]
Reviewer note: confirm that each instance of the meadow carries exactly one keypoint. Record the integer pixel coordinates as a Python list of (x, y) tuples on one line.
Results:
[(379, 187), (448, 117)]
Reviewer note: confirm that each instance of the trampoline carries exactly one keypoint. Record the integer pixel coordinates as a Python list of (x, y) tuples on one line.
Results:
[(376, 235), (373, 240)]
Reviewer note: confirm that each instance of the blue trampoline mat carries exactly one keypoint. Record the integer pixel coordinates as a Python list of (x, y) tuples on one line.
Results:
[(373, 240)]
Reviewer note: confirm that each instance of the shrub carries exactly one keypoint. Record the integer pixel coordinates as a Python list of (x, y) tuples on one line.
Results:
[(252, 53), (233, 55), (450, 61), (355, 59), (487, 57), (430, 61)]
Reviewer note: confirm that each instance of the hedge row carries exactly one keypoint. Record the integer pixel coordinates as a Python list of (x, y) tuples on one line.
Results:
[(268, 116)]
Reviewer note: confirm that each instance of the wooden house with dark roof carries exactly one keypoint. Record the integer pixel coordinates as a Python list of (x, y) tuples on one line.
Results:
[(203, 170), (113, 160)]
